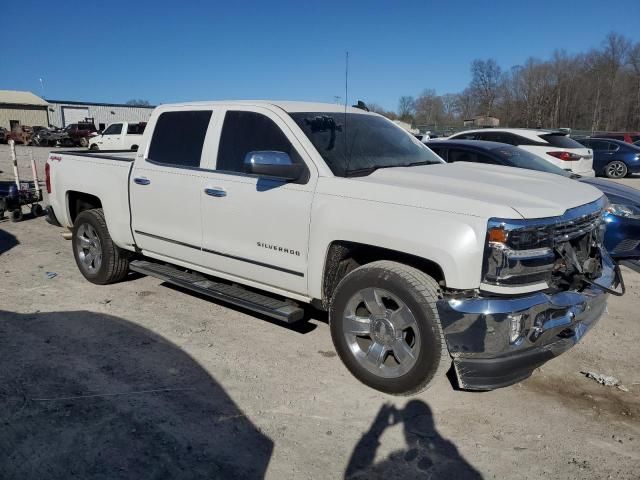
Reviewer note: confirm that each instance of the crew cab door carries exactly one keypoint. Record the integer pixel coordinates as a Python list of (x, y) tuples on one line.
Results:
[(109, 138), (165, 185), (253, 227)]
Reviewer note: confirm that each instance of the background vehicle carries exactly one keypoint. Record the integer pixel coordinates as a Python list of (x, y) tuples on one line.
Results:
[(265, 204), (20, 134), (613, 158), (48, 137), (3, 135), (119, 136), (554, 146), (78, 134), (622, 237), (628, 137)]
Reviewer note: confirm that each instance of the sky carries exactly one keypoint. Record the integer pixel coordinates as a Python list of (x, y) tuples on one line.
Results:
[(165, 51)]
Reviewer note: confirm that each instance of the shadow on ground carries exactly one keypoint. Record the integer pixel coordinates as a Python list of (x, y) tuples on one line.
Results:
[(88, 395), (7, 241), (428, 455)]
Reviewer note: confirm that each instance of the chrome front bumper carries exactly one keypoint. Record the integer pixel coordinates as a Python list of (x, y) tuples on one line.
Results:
[(478, 331)]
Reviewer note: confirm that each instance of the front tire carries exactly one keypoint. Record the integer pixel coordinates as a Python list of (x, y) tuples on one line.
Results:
[(616, 169), (99, 260), (386, 328)]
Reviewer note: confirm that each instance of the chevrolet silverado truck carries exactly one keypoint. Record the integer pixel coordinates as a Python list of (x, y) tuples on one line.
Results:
[(272, 206)]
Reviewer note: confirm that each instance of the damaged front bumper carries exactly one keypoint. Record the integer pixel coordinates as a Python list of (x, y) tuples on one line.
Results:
[(499, 341)]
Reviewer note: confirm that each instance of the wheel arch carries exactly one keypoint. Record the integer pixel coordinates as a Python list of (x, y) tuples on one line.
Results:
[(80, 201), (343, 256)]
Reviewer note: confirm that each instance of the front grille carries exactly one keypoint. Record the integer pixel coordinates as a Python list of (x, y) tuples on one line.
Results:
[(568, 230)]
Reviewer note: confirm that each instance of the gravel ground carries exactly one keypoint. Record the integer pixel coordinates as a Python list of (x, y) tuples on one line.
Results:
[(141, 380)]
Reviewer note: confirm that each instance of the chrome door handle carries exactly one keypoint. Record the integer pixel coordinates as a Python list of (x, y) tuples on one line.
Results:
[(215, 192), (142, 180)]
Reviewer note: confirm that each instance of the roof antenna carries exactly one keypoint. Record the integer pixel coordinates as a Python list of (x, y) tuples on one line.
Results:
[(346, 102)]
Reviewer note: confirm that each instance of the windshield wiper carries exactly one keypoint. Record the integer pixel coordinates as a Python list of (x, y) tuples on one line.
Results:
[(369, 170)]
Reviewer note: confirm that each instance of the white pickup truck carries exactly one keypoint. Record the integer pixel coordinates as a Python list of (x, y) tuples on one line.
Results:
[(119, 136), (274, 205)]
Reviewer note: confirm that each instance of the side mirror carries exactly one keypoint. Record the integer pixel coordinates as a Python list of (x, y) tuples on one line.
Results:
[(273, 164)]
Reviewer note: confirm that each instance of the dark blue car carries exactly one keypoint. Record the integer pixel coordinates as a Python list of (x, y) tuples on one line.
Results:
[(613, 158), (622, 238)]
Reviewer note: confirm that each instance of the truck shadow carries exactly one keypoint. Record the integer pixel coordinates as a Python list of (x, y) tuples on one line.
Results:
[(7, 241), (89, 395), (428, 455)]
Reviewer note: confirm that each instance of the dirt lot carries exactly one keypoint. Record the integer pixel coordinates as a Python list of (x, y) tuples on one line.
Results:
[(141, 380)]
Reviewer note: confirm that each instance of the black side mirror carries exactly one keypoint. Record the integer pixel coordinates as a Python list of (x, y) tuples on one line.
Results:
[(272, 164)]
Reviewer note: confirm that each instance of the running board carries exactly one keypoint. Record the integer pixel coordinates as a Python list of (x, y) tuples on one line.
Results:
[(234, 294)]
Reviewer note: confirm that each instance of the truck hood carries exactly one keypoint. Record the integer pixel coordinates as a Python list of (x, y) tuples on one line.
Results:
[(471, 189)]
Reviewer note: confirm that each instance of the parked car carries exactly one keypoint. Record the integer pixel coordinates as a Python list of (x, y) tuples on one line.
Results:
[(613, 158), (555, 146), (119, 136), (79, 134), (3, 135), (622, 237), (419, 263), (628, 137), (49, 137)]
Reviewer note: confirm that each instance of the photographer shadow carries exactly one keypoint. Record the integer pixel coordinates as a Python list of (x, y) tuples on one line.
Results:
[(428, 455)]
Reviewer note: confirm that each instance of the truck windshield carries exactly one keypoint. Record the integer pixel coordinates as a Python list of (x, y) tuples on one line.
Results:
[(358, 144)]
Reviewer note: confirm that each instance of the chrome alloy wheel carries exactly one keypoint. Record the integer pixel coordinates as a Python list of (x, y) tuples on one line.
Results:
[(89, 248), (616, 169), (381, 332)]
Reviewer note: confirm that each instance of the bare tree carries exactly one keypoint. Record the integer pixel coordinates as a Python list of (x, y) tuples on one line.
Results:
[(406, 108), (485, 82)]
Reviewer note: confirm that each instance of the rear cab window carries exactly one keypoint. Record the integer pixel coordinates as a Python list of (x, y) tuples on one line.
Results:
[(178, 138)]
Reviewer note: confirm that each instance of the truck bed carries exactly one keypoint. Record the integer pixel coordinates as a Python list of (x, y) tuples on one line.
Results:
[(102, 174)]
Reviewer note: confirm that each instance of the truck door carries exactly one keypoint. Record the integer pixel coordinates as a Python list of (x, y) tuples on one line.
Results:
[(109, 140), (256, 228), (165, 186)]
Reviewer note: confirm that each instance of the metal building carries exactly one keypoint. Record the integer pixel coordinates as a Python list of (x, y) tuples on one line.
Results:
[(63, 112), (22, 108)]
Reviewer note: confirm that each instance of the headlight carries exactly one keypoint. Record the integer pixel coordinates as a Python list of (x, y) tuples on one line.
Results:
[(626, 211), (517, 253)]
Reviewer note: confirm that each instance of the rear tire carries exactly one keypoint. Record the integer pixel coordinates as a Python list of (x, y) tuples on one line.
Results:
[(16, 215), (616, 169), (37, 210), (99, 260), (399, 347)]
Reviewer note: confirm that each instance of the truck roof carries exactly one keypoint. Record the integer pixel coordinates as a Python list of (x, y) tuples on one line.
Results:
[(287, 106)]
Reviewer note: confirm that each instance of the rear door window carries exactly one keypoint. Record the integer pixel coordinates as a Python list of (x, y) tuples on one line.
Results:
[(599, 145), (560, 140), (245, 132), (178, 138)]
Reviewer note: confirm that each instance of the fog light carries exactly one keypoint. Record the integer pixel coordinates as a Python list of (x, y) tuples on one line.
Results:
[(516, 322)]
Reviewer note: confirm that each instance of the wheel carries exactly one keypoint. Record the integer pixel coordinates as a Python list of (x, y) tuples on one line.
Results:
[(37, 210), (616, 169), (16, 215), (94, 148), (386, 328), (97, 257), (84, 142)]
